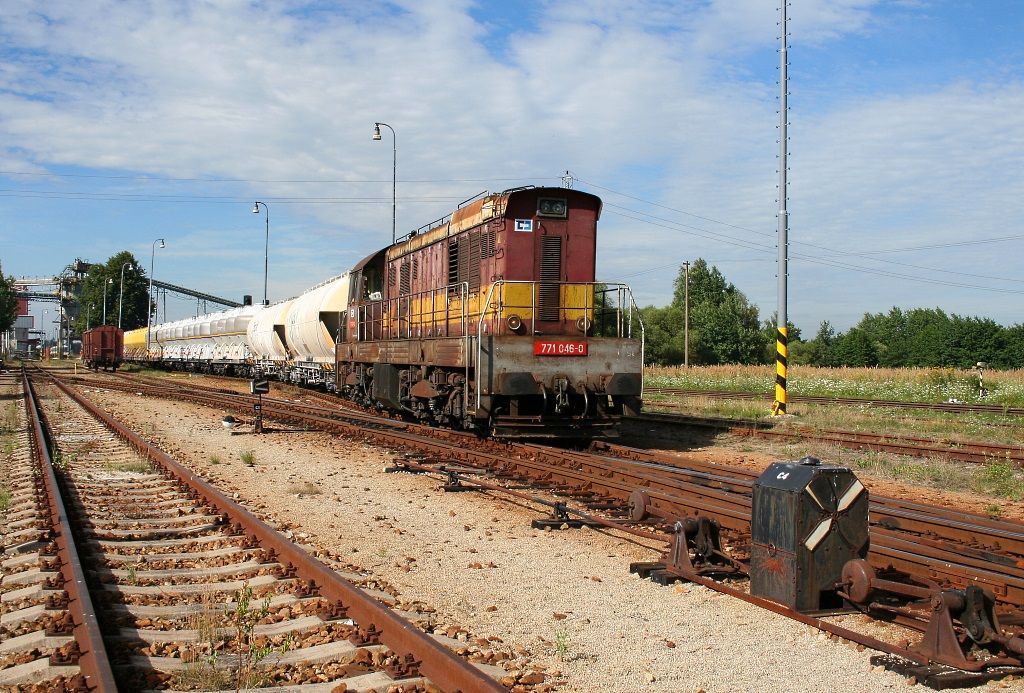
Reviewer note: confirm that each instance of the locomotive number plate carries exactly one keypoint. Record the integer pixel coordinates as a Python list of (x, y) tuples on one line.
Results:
[(551, 348)]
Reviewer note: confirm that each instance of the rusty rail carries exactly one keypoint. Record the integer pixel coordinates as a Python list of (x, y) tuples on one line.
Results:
[(435, 661), (92, 660), (922, 540), (949, 407), (966, 451)]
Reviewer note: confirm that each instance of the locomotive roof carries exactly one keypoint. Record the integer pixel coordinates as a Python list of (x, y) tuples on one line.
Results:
[(473, 214)]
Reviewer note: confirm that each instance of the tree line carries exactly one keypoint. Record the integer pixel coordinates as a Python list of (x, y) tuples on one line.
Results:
[(726, 328), (93, 299)]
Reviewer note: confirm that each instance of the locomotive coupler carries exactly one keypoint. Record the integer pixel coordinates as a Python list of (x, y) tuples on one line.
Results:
[(561, 395)]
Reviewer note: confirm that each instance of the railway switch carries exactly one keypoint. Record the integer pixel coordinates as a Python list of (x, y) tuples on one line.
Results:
[(808, 520)]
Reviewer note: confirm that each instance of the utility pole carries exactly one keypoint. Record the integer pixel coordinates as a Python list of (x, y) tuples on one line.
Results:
[(686, 314), (782, 336)]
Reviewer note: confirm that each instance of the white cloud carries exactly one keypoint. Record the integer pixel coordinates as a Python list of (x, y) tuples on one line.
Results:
[(637, 97)]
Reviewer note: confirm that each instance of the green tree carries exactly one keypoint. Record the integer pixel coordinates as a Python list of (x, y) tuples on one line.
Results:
[(8, 302), (928, 338), (1012, 353), (136, 289), (822, 352), (855, 349), (664, 330), (724, 326)]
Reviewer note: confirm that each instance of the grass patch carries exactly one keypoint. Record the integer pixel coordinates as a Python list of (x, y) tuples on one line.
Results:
[(214, 459), (5, 498), (136, 467), (248, 458), (996, 479), (10, 419), (306, 488), (562, 644), (905, 384), (1001, 479)]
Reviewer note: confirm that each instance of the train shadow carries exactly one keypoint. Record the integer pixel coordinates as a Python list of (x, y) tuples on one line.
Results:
[(645, 434)]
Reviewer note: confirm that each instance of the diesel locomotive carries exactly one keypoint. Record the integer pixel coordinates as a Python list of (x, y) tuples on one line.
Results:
[(488, 319)]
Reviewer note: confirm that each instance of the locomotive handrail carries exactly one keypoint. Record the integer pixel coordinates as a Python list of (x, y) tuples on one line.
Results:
[(623, 323)]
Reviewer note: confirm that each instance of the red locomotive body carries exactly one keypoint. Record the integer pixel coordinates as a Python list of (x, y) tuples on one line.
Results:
[(491, 319), (103, 347)]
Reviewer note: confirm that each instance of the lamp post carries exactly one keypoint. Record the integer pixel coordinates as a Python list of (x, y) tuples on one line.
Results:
[(149, 299), (120, 296), (266, 246), (105, 283), (88, 315), (394, 170)]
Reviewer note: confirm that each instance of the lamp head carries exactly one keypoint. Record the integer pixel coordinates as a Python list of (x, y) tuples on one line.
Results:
[(255, 207), (376, 132), (162, 245)]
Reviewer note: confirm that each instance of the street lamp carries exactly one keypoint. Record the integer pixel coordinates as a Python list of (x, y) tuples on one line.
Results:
[(149, 304), (120, 296), (394, 169), (107, 281), (266, 246)]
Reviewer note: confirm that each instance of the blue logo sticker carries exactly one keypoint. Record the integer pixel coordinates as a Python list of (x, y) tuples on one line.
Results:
[(524, 225)]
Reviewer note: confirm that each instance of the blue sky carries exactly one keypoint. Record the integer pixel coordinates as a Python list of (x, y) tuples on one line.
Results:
[(122, 122)]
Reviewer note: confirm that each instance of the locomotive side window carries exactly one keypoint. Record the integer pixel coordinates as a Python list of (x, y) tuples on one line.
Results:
[(552, 207)]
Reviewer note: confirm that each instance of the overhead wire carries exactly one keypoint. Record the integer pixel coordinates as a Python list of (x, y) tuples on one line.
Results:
[(749, 245), (144, 178)]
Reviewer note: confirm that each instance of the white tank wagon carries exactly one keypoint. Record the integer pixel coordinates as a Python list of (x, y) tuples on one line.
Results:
[(266, 338), (215, 342), (313, 324)]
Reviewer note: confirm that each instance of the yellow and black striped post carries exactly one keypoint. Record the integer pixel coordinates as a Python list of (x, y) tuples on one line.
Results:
[(781, 353)]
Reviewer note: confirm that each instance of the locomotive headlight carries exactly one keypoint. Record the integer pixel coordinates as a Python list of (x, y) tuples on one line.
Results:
[(514, 322), (552, 207), (583, 325)]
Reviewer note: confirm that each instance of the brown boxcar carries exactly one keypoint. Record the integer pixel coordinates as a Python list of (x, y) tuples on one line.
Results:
[(103, 347)]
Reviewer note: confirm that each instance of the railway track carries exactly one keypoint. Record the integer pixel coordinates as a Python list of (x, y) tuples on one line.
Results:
[(650, 495), (912, 446), (191, 587), (951, 407), (925, 540)]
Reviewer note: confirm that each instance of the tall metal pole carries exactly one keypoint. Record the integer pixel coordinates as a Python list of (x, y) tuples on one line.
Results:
[(686, 314), (394, 172), (149, 298), (782, 336), (105, 282), (60, 319), (266, 246), (120, 297)]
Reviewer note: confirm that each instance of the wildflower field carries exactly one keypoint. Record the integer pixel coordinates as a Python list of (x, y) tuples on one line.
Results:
[(903, 384)]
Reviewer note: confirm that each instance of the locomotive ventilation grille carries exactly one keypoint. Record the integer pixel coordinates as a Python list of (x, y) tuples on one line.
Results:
[(550, 275)]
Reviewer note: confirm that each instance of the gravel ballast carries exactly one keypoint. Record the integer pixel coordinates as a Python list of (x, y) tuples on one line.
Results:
[(561, 601)]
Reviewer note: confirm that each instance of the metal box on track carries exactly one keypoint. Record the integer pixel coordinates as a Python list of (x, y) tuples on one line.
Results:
[(808, 520)]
